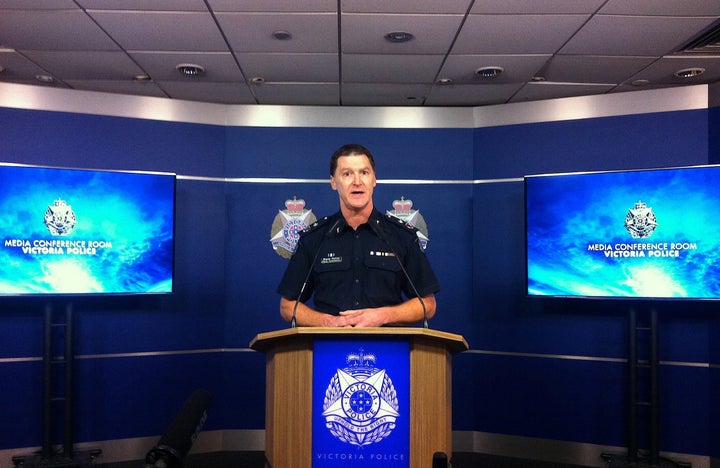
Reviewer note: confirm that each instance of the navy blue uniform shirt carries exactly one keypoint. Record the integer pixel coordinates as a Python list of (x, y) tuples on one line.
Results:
[(357, 269)]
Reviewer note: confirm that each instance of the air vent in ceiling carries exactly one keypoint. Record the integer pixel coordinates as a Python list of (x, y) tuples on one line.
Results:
[(707, 43)]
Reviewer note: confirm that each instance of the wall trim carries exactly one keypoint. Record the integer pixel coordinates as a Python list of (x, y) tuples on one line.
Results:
[(44, 98)]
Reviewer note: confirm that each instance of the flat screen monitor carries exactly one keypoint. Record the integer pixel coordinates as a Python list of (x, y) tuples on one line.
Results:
[(632, 234), (77, 231)]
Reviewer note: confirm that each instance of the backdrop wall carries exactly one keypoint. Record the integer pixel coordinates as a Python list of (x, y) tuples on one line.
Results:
[(537, 369)]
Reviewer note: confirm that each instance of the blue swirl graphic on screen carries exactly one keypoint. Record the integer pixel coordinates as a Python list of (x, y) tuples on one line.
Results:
[(121, 240), (578, 245)]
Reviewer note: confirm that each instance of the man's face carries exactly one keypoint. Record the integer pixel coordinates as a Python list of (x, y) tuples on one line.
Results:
[(354, 181)]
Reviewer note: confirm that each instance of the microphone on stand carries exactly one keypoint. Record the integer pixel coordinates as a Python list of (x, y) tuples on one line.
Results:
[(381, 234), (293, 321), (177, 441)]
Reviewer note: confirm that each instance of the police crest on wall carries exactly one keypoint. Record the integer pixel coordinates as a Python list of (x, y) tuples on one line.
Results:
[(287, 226), (402, 209)]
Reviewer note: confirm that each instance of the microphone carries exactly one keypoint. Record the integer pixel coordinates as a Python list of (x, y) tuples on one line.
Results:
[(293, 321), (381, 234), (175, 444)]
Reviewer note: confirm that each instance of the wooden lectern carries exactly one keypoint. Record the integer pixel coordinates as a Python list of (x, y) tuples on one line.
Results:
[(289, 393)]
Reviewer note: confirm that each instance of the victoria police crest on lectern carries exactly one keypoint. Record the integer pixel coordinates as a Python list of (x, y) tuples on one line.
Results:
[(358, 416), (361, 404)]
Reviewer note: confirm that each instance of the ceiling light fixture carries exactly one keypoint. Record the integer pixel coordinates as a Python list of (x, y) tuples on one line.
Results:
[(190, 69), (489, 72), (282, 35), (44, 78), (444, 81), (641, 82), (689, 72), (257, 80), (142, 78), (399, 36)]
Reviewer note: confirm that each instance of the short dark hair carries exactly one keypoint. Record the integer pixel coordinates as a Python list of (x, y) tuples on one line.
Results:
[(349, 150)]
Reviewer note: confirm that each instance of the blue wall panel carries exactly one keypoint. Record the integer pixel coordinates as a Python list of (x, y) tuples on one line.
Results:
[(305, 152), (97, 142), (519, 381), (600, 144), (505, 320), (124, 397)]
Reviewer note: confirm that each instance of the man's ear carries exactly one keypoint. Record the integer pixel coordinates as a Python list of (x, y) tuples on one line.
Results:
[(332, 183)]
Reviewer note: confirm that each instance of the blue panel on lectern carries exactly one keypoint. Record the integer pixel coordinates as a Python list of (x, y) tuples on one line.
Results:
[(361, 402)]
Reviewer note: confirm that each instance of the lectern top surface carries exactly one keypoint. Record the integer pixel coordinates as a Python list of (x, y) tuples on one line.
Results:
[(264, 341)]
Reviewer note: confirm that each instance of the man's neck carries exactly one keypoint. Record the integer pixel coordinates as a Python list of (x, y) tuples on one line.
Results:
[(356, 218)]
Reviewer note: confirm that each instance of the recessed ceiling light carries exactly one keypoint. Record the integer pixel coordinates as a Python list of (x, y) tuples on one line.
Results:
[(399, 36), (489, 72), (444, 81), (190, 69), (257, 80), (142, 78), (640, 82), (537, 79), (282, 35), (45, 78), (689, 72)]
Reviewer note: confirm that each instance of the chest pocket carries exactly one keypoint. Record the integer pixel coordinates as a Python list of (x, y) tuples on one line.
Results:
[(381, 262)]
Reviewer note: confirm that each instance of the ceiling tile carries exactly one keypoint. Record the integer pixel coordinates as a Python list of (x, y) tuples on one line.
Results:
[(365, 33), (37, 5), (17, 68), (90, 65), (229, 93), (298, 94), (516, 68), (471, 95), (144, 5), (161, 66), (384, 94), (547, 90), (277, 67), (634, 35), (663, 71), (304, 6), (663, 8), (390, 68), (134, 88), (159, 31), (593, 69), (524, 7), (406, 6), (61, 30), (252, 32), (516, 34)]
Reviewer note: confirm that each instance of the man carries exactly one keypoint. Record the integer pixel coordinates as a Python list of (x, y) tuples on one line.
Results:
[(351, 260)]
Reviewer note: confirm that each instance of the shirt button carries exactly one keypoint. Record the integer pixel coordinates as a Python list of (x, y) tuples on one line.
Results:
[(357, 281), (357, 303)]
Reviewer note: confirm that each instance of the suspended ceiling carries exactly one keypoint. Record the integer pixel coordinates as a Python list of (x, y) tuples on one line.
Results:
[(335, 52)]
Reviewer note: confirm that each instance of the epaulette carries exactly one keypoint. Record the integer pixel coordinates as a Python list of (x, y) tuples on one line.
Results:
[(401, 223), (316, 225)]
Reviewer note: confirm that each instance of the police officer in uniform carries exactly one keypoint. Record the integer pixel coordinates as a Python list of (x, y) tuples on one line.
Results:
[(351, 260)]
